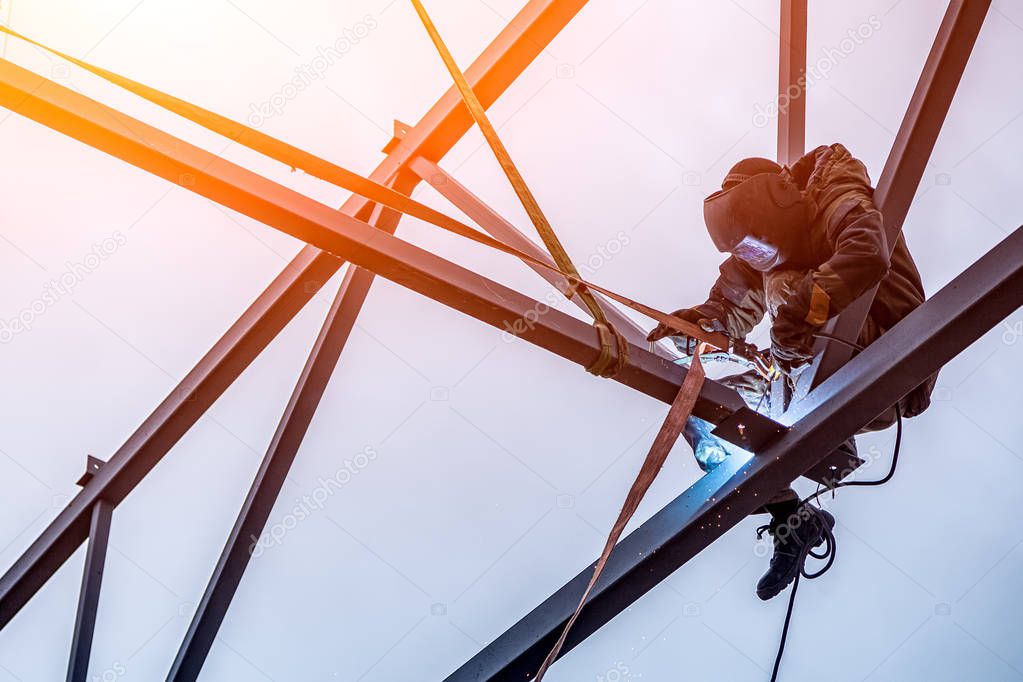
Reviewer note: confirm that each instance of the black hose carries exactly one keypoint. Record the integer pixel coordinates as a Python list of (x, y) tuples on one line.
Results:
[(829, 552)]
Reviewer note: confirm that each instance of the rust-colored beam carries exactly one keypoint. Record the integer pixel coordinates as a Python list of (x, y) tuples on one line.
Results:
[(347, 237)]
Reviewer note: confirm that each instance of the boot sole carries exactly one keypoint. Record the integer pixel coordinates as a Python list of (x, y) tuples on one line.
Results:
[(775, 590)]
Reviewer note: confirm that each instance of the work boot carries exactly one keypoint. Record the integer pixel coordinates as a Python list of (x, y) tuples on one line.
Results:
[(794, 538)]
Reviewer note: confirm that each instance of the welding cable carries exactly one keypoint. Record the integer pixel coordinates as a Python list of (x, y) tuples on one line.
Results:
[(327, 171), (829, 550), (827, 554), (895, 450)]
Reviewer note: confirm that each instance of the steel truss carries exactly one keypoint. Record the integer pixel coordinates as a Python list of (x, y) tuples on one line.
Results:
[(849, 395)]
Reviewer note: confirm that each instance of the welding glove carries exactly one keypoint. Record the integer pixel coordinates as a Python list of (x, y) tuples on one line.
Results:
[(791, 361), (792, 332), (686, 344)]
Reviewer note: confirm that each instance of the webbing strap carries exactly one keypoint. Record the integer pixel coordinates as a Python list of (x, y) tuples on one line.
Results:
[(608, 364), (327, 171), (605, 363), (670, 430), (479, 115)]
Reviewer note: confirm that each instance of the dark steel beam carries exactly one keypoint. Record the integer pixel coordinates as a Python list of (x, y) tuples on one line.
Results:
[(969, 306), (280, 455), (792, 81), (791, 122), (504, 59), (88, 598), (499, 228), (914, 143)]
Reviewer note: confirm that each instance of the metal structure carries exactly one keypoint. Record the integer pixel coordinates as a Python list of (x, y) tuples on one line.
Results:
[(847, 393)]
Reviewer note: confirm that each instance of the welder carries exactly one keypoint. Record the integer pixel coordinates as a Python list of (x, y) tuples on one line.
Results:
[(804, 242)]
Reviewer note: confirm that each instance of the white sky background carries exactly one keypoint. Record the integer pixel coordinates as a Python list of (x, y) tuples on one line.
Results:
[(498, 466)]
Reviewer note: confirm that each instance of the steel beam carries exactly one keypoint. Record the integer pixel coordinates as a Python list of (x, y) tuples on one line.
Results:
[(280, 455), (499, 228), (901, 176), (792, 81), (504, 59), (88, 598), (791, 121), (955, 317)]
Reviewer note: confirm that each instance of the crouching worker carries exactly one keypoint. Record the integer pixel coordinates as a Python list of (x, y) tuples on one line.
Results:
[(804, 243)]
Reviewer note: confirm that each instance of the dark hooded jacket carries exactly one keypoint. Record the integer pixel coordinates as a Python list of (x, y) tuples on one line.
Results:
[(849, 255)]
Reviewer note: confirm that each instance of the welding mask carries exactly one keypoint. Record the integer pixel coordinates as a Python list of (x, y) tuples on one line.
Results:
[(762, 221)]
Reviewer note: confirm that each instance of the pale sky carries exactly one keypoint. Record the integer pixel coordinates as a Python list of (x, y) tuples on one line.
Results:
[(492, 470)]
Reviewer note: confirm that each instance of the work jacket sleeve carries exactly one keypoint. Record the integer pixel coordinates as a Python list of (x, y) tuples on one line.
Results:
[(860, 260), (737, 298)]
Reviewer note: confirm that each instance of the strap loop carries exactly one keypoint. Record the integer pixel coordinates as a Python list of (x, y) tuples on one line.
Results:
[(611, 361)]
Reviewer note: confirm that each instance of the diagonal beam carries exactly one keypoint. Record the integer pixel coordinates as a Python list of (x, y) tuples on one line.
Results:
[(445, 123), (88, 599), (273, 471), (973, 303), (499, 228), (901, 176)]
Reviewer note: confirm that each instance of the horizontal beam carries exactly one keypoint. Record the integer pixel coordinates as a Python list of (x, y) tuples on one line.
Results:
[(491, 74), (916, 348), (346, 237)]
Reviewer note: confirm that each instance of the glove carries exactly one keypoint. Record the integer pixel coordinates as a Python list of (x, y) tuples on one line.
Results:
[(686, 344), (791, 361), (791, 335), (750, 385)]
